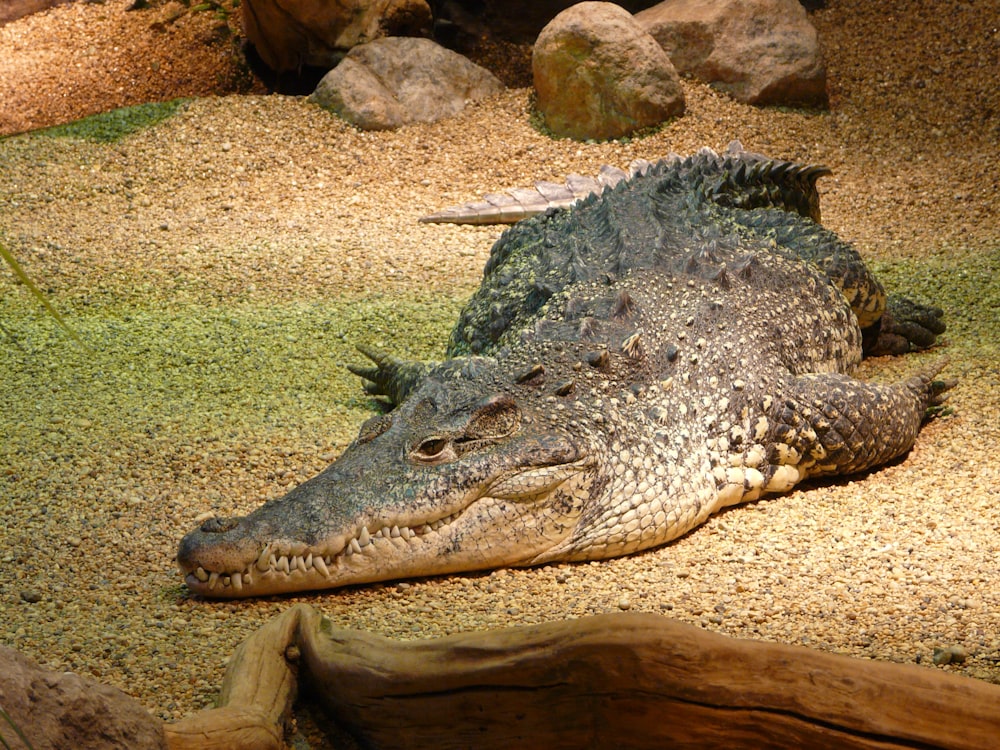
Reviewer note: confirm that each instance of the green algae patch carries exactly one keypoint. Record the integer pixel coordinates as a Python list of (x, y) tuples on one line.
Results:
[(248, 373), (108, 127)]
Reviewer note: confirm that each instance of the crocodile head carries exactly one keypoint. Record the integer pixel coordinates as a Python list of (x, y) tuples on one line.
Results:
[(461, 476)]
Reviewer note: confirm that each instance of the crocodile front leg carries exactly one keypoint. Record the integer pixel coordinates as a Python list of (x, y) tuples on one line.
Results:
[(391, 377), (834, 424), (823, 425)]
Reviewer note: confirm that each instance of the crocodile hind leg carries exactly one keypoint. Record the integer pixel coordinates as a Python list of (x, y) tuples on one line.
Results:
[(829, 424), (905, 326), (890, 325)]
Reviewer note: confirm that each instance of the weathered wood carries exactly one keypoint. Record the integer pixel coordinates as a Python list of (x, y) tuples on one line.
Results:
[(624, 680), (257, 693)]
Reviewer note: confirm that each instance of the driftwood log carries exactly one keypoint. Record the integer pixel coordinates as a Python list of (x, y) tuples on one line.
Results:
[(622, 680)]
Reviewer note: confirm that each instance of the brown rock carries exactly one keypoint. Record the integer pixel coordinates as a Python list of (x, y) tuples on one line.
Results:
[(757, 51), (514, 20), (598, 74), (289, 34), (59, 710), (11, 10), (399, 80)]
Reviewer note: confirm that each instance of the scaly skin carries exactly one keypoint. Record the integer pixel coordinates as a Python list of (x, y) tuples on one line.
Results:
[(628, 367)]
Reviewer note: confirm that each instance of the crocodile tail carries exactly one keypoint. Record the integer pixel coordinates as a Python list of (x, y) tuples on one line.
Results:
[(744, 179), (517, 204), (523, 203)]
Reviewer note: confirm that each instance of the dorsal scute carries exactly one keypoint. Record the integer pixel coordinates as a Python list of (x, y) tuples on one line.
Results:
[(743, 179), (467, 367)]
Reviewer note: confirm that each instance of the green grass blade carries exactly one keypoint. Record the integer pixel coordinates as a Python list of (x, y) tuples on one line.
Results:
[(17, 729), (109, 127), (19, 272)]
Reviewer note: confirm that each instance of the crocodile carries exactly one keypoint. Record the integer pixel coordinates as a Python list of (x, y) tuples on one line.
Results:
[(671, 345)]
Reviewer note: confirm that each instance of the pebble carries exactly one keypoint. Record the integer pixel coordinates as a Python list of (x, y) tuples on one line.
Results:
[(950, 655)]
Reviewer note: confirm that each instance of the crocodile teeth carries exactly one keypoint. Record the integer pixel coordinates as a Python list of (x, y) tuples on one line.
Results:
[(213, 579), (282, 564), (200, 574), (426, 529), (364, 538), (265, 560), (394, 534), (320, 564), (300, 563), (237, 580), (355, 546)]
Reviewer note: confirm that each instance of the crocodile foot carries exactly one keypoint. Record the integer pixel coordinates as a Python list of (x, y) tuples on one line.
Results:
[(905, 326), (935, 389), (390, 376)]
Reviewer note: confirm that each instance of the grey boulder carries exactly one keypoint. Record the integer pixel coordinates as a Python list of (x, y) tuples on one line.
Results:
[(396, 81)]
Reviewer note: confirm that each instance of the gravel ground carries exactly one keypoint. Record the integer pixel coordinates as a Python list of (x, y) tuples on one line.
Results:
[(94, 55), (221, 264)]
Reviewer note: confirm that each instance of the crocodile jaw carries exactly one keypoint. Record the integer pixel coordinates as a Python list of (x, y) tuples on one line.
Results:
[(512, 520)]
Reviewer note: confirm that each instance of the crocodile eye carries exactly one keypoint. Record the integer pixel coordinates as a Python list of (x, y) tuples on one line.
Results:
[(431, 449)]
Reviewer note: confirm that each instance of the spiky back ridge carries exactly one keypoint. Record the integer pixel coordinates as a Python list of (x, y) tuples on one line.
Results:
[(648, 221)]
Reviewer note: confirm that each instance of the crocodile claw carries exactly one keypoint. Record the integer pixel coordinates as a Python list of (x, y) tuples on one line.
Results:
[(936, 390)]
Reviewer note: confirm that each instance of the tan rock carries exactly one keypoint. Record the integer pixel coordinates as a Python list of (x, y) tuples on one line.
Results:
[(399, 80), (289, 34), (757, 51), (598, 74), (11, 10)]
